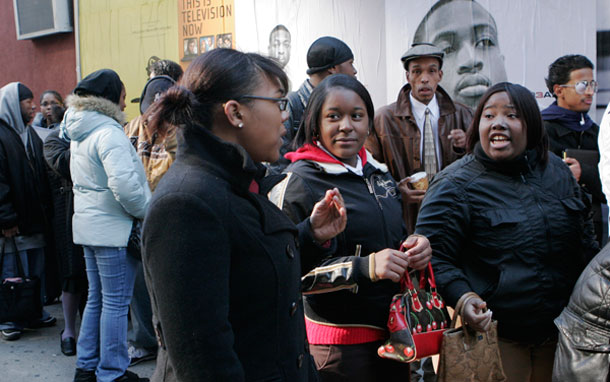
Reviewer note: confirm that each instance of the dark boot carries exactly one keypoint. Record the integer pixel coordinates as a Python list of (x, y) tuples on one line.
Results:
[(84, 375), (131, 377)]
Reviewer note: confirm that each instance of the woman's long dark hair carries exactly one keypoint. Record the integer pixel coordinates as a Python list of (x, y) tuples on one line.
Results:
[(213, 78), (528, 111), (310, 124)]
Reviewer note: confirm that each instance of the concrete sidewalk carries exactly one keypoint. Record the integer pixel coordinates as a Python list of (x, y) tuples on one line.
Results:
[(36, 356)]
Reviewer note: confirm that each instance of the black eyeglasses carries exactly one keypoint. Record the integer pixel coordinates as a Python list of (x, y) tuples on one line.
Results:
[(282, 103)]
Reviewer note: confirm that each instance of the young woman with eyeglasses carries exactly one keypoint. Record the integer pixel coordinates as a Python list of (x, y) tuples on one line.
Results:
[(221, 261)]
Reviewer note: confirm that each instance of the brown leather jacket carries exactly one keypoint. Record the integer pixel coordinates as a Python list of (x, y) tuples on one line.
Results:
[(397, 139)]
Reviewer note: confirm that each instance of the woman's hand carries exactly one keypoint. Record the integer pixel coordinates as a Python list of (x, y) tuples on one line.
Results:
[(419, 252), (475, 316), (329, 217), (390, 264)]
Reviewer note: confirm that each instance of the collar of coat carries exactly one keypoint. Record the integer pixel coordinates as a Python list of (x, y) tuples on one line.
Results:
[(97, 104), (561, 130), (230, 161), (403, 104), (330, 164)]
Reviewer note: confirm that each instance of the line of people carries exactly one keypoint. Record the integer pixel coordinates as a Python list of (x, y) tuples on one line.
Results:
[(270, 244)]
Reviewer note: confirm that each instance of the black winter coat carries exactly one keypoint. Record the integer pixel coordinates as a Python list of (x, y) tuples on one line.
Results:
[(223, 269), (72, 262), (561, 138), (25, 198), (518, 234), (344, 294)]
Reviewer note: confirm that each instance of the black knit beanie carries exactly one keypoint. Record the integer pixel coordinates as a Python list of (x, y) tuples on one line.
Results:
[(327, 52), (104, 83), (24, 92)]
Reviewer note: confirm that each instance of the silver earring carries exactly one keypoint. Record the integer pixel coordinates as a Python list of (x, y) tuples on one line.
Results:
[(241, 125)]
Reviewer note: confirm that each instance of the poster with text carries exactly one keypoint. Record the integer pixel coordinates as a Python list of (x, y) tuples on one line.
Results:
[(204, 25)]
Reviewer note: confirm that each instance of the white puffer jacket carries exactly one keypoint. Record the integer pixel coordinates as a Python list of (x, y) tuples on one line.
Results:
[(110, 186)]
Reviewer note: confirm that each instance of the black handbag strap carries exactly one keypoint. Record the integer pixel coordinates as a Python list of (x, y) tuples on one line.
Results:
[(21, 272)]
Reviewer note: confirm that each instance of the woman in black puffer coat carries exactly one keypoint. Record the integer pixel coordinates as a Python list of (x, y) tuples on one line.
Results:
[(508, 222)]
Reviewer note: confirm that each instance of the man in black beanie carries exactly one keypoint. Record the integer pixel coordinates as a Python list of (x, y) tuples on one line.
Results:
[(25, 197), (327, 55)]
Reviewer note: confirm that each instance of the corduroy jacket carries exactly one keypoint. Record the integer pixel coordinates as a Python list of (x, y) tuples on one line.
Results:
[(397, 139)]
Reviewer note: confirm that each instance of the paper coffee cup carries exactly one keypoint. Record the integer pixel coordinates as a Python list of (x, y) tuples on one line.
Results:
[(419, 180)]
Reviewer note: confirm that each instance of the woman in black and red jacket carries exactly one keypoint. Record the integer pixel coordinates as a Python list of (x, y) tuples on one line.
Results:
[(349, 292)]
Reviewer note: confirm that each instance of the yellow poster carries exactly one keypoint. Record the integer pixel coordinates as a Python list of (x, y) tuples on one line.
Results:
[(204, 25), (127, 36)]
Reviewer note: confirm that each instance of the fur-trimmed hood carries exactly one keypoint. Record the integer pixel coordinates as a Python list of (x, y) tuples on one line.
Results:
[(86, 114), (99, 104)]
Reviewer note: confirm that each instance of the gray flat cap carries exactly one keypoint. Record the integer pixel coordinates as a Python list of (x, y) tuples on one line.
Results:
[(422, 49)]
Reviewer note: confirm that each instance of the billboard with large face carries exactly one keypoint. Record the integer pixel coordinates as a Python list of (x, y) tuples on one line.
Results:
[(484, 41)]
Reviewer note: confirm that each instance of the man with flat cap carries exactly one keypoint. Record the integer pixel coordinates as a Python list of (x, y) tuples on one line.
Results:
[(424, 130), (327, 55)]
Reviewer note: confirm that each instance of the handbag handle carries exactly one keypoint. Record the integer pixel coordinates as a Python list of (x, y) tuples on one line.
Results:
[(459, 307), (21, 272), (406, 284)]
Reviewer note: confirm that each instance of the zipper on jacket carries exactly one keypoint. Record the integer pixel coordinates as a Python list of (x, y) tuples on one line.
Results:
[(369, 185), (372, 191)]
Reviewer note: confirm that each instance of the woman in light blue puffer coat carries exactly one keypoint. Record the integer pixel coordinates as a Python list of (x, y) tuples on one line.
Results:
[(110, 190)]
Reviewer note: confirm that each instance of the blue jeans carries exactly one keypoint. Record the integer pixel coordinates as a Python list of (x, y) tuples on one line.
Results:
[(102, 342)]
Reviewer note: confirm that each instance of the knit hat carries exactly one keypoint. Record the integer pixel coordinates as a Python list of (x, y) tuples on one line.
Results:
[(422, 49), (24, 92), (104, 83), (153, 90), (327, 52)]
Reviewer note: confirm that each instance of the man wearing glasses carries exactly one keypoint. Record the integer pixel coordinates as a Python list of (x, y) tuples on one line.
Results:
[(572, 133)]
